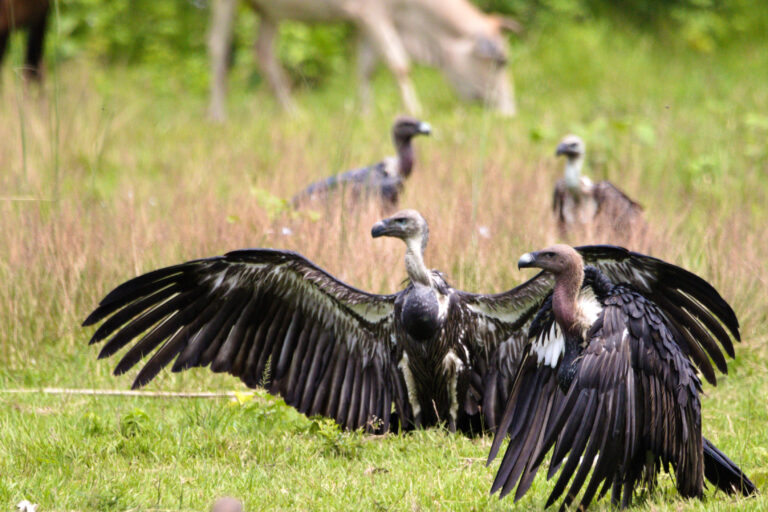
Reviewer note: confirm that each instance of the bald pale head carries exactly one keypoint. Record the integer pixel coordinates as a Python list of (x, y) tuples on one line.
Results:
[(559, 259), (407, 225), (571, 146)]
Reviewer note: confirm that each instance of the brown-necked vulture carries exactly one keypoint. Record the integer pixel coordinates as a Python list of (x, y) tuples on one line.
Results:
[(596, 210), (609, 383), (382, 181)]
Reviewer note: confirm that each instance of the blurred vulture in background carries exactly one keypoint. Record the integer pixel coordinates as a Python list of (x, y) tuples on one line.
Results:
[(609, 384), (597, 211), (382, 181), (426, 355)]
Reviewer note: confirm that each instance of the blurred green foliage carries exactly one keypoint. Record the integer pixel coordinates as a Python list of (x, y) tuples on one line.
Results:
[(172, 33)]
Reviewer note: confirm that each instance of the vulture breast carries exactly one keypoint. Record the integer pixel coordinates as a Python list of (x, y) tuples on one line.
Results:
[(421, 313)]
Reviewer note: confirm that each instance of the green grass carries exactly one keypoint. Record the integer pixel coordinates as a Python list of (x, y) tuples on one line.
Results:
[(126, 175)]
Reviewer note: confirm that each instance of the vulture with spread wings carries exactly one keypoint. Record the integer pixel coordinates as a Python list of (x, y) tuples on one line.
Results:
[(608, 381), (426, 355)]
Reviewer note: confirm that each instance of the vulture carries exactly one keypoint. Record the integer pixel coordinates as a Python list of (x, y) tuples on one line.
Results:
[(600, 208), (382, 181), (608, 382), (426, 355)]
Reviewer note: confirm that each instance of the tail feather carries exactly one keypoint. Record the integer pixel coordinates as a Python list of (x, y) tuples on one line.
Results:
[(724, 473)]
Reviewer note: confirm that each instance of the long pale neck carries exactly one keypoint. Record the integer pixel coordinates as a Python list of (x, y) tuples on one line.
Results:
[(573, 172), (404, 155), (564, 302), (414, 262)]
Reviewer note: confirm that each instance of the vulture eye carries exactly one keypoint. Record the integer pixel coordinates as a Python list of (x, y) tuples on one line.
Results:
[(549, 254)]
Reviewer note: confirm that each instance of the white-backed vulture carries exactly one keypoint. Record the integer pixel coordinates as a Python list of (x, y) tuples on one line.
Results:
[(426, 355), (592, 210), (609, 382), (383, 180)]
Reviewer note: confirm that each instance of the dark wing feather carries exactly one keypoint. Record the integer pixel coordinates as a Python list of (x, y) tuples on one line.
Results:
[(494, 330), (271, 318), (633, 391), (610, 199), (693, 307)]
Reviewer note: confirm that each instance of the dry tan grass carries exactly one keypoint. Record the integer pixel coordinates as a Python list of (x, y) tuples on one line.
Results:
[(126, 190)]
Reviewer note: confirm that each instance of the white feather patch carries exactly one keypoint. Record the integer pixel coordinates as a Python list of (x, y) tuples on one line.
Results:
[(549, 347), (442, 304), (589, 307), (453, 365), (410, 384)]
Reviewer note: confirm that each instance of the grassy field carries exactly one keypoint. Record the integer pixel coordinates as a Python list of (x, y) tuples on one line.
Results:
[(111, 172)]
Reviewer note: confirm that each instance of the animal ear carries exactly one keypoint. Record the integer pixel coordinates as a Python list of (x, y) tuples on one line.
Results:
[(508, 24), (488, 49)]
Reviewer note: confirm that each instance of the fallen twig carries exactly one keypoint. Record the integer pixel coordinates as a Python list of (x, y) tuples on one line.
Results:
[(118, 392)]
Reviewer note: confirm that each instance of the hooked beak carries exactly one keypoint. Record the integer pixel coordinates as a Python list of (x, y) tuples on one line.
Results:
[(527, 260), (425, 128), (565, 149), (381, 228)]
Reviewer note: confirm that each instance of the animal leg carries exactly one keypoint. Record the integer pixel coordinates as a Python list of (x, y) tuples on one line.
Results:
[(3, 46), (219, 41), (35, 38), (366, 63), (269, 65), (387, 42)]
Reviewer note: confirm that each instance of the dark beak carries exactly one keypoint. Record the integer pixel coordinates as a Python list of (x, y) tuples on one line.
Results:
[(381, 228), (562, 149), (527, 260)]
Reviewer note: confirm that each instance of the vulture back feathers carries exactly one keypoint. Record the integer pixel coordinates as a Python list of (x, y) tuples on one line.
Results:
[(382, 181)]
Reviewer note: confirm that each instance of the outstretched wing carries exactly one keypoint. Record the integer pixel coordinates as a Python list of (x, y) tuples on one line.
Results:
[(693, 307), (269, 317), (612, 200), (633, 391), (495, 329)]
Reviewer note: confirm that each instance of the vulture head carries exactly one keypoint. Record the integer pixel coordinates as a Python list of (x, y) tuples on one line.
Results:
[(559, 259), (571, 146), (406, 128), (407, 225)]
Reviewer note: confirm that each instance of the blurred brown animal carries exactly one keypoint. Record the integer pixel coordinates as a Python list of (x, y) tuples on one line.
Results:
[(466, 44), (32, 15)]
